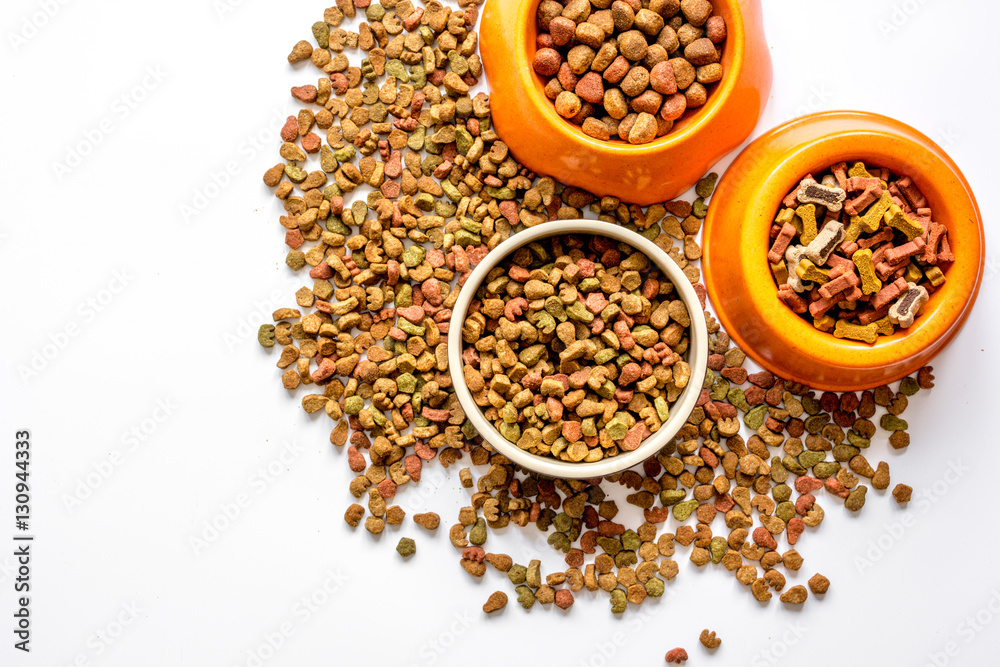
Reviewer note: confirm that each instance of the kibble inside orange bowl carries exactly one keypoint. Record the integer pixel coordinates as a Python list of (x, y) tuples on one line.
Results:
[(695, 355), (545, 142), (739, 278)]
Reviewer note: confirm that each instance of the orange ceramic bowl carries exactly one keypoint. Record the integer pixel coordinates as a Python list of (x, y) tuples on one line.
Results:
[(739, 281), (546, 143)]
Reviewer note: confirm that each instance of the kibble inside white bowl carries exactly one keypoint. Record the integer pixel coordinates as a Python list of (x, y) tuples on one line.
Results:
[(696, 355)]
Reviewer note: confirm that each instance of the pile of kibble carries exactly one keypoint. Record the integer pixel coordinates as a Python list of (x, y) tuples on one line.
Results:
[(858, 266), (628, 68), (368, 336)]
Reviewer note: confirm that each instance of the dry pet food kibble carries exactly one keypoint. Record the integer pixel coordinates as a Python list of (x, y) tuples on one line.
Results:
[(430, 189), (628, 69), (857, 253), (573, 347)]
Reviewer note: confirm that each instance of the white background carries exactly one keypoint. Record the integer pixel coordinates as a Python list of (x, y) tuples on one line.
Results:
[(164, 307)]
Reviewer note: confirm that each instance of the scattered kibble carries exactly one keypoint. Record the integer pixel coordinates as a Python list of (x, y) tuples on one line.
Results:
[(902, 493), (708, 639), (430, 189), (406, 547), (676, 656), (795, 595), (555, 354), (818, 584), (625, 70), (857, 253), (496, 602)]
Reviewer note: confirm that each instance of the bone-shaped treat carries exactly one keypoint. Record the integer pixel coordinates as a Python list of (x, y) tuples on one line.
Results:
[(908, 306), (811, 192)]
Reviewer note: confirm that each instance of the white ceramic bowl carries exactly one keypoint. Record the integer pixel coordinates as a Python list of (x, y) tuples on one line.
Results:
[(680, 410)]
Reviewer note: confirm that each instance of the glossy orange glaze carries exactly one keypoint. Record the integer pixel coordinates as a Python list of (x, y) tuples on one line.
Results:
[(739, 280), (539, 138)]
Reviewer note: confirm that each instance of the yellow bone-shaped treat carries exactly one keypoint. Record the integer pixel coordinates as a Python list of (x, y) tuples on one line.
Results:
[(870, 220), (914, 274), (934, 274), (870, 284), (885, 327), (867, 332), (895, 218), (808, 230), (858, 170), (780, 272), (825, 323), (806, 270), (787, 215)]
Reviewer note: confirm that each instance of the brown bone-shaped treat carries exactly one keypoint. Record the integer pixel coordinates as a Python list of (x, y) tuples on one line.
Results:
[(811, 192), (908, 306)]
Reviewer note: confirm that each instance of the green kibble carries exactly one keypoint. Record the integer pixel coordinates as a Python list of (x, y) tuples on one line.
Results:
[(589, 427), (826, 469), (738, 399), (410, 327), (909, 386), (706, 186), (560, 542), (406, 383), (754, 419), (816, 423), (781, 493), (811, 405), (353, 404), (464, 238), (562, 522), (785, 510), (512, 432), (517, 574), (406, 547), (720, 389), (662, 409), (616, 428), (792, 465), (654, 587), (610, 545), (845, 453), (893, 423), (718, 547), (619, 603), (397, 69), (604, 356), (670, 497), (625, 559), (699, 208), (630, 540), (265, 335), (478, 533), (808, 458), (295, 173), (684, 510), (577, 311), (857, 440), (345, 154), (525, 597)]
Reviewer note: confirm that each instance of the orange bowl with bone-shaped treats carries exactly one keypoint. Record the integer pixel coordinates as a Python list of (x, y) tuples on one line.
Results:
[(729, 103), (843, 250)]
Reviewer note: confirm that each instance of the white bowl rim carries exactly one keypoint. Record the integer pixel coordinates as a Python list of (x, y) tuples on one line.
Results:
[(680, 410)]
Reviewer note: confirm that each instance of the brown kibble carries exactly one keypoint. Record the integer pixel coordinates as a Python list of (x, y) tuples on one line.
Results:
[(818, 584), (795, 595), (427, 520), (353, 515), (902, 493), (301, 51), (880, 480), (708, 639), (496, 602)]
